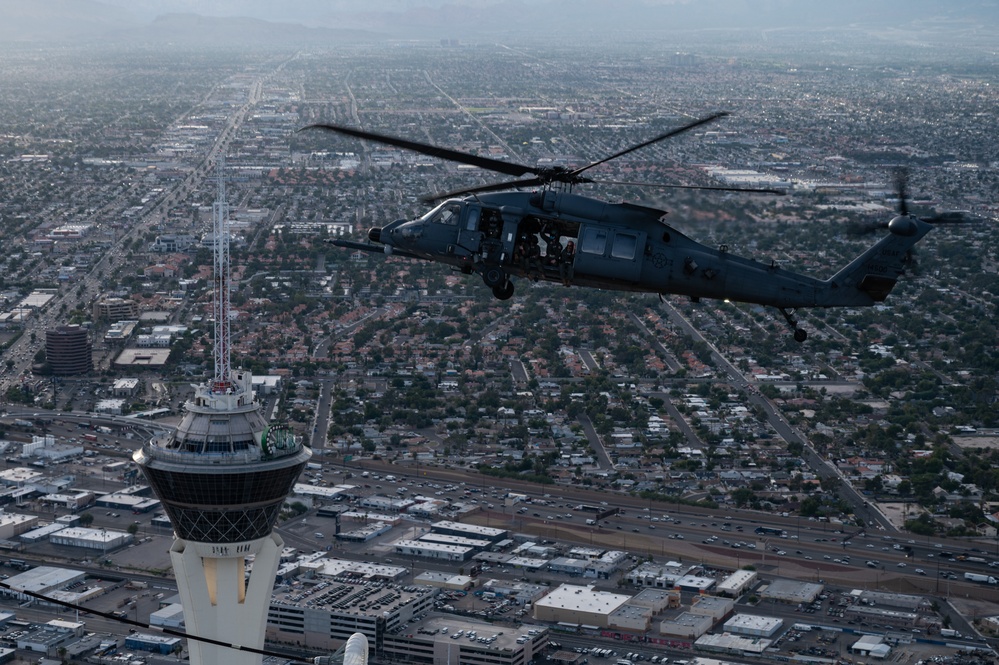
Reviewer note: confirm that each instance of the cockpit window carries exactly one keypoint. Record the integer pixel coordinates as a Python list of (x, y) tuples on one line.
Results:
[(449, 214)]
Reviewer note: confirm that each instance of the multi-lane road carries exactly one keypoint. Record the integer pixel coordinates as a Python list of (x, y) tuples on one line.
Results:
[(805, 549)]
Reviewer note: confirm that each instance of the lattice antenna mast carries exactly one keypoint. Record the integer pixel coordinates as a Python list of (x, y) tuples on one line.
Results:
[(220, 302)]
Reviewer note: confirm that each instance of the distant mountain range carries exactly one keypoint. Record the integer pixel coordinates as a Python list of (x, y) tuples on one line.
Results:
[(317, 22)]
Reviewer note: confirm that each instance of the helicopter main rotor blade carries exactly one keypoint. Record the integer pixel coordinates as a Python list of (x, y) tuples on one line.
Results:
[(717, 188), (511, 169), (494, 187), (679, 130)]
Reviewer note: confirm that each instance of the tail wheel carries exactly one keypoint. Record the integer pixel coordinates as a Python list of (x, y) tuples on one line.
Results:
[(503, 291)]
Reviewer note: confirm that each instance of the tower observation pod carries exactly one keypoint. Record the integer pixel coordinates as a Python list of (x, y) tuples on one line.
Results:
[(222, 477)]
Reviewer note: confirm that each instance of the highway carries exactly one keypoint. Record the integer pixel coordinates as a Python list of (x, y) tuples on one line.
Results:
[(808, 550)]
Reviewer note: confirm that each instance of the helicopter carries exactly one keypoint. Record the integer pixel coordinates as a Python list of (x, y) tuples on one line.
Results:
[(551, 234)]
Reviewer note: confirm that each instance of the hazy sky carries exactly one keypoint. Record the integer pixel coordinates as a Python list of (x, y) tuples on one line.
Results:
[(290, 10)]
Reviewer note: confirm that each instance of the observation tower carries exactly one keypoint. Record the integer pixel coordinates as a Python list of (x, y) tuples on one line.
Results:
[(222, 477)]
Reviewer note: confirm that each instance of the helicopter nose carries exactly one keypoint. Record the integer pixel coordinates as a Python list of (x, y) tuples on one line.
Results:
[(403, 231), (375, 234)]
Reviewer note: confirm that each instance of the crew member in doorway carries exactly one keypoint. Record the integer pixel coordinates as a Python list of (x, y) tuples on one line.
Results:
[(565, 259)]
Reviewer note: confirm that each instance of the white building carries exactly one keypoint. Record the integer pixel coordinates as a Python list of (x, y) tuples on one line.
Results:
[(439, 551), (584, 605), (753, 625), (103, 540), (737, 583)]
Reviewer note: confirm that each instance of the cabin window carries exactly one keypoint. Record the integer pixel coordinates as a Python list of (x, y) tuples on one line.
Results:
[(594, 241), (625, 245), (472, 224)]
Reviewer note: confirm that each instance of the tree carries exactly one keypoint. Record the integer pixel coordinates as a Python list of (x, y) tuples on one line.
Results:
[(743, 496)]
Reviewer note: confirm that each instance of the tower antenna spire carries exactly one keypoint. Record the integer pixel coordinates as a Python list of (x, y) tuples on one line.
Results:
[(222, 382)]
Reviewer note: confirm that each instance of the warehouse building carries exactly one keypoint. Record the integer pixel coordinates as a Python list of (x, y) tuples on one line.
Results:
[(162, 644), (522, 592), (656, 600), (737, 583), (695, 583), (439, 551), (753, 625), (712, 606), (469, 530), (735, 645), (102, 540), (881, 616), (13, 525), (630, 617), (444, 580), (477, 544), (686, 626), (790, 591), (44, 580), (573, 604), (658, 575)]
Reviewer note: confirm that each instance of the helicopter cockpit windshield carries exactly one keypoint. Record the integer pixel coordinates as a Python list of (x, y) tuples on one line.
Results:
[(447, 213)]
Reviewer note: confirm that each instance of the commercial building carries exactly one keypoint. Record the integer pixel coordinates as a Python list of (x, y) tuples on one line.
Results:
[(895, 601), (789, 591), (101, 540), (438, 551), (733, 644), (447, 640), (656, 600), (469, 530), (68, 350), (116, 309), (325, 614), (125, 387), (162, 644), (44, 639), (132, 358), (13, 525), (169, 616), (634, 618), (443, 580), (522, 592), (753, 625), (686, 626), (872, 646), (658, 575), (44, 580), (695, 583), (880, 616), (582, 605), (737, 583), (712, 606)]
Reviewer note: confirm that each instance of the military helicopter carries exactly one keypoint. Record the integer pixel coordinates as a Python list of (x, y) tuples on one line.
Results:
[(554, 235)]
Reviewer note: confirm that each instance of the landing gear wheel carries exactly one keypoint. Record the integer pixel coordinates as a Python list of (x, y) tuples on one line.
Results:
[(504, 291), (799, 334), (494, 277)]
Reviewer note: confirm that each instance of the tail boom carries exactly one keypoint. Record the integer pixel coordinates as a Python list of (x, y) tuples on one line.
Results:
[(870, 277)]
